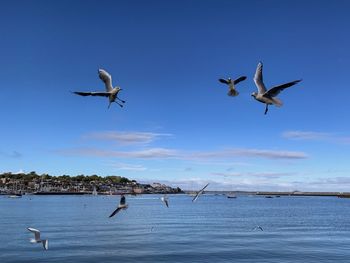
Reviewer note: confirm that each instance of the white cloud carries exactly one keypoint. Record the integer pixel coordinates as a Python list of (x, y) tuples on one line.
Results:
[(163, 153), (129, 167), (316, 136), (158, 153), (340, 180), (305, 135), (126, 137), (266, 175), (241, 152)]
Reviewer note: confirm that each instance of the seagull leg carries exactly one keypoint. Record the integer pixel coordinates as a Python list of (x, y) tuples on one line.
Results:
[(121, 105), (266, 109), (123, 101)]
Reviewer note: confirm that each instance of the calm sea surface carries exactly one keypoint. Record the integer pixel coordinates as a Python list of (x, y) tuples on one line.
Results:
[(214, 229)]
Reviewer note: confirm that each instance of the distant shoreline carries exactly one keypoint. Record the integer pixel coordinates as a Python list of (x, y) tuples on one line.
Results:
[(276, 193), (189, 192)]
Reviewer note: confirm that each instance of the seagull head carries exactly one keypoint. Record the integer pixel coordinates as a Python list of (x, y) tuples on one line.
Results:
[(254, 94)]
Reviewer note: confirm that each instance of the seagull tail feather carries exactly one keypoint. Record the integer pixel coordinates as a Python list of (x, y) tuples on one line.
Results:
[(277, 102)]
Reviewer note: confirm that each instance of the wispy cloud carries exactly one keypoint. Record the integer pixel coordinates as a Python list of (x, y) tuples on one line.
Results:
[(160, 153), (306, 135), (164, 153), (266, 175), (129, 167), (126, 137), (341, 180), (240, 152), (316, 136), (13, 154)]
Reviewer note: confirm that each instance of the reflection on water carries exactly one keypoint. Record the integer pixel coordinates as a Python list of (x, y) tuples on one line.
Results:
[(214, 229)]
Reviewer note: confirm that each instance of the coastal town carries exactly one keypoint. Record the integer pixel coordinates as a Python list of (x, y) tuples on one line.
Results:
[(45, 184)]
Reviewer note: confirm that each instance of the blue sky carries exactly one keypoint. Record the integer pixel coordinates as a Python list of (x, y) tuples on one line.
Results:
[(178, 125)]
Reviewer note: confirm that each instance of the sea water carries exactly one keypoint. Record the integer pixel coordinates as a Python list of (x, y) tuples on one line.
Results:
[(213, 229)]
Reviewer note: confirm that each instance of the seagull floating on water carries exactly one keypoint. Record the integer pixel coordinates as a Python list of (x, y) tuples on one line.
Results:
[(268, 96), (231, 85), (122, 205), (37, 238), (199, 193), (165, 200), (111, 93)]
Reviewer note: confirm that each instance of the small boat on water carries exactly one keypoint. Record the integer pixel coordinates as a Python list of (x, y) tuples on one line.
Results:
[(268, 196), (231, 196), (15, 193)]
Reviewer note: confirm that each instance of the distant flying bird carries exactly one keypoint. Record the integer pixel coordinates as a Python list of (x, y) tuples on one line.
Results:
[(37, 238), (231, 85), (199, 193), (165, 200), (111, 93), (122, 205), (268, 97)]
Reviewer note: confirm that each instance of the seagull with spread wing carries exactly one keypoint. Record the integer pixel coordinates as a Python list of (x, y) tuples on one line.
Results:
[(37, 238), (111, 93), (268, 96), (122, 205), (231, 85), (199, 193), (258, 228)]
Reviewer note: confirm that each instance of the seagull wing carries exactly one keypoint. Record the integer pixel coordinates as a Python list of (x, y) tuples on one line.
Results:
[(204, 188), (199, 193), (165, 200), (224, 81), (277, 89), (258, 227), (102, 94), (106, 78), (236, 81), (115, 211), (45, 244), (36, 233), (258, 79), (195, 197)]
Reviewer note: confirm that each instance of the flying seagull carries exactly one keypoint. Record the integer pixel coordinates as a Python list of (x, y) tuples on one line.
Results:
[(37, 239), (122, 205), (258, 228), (199, 193), (231, 85), (268, 96), (111, 93), (165, 200)]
